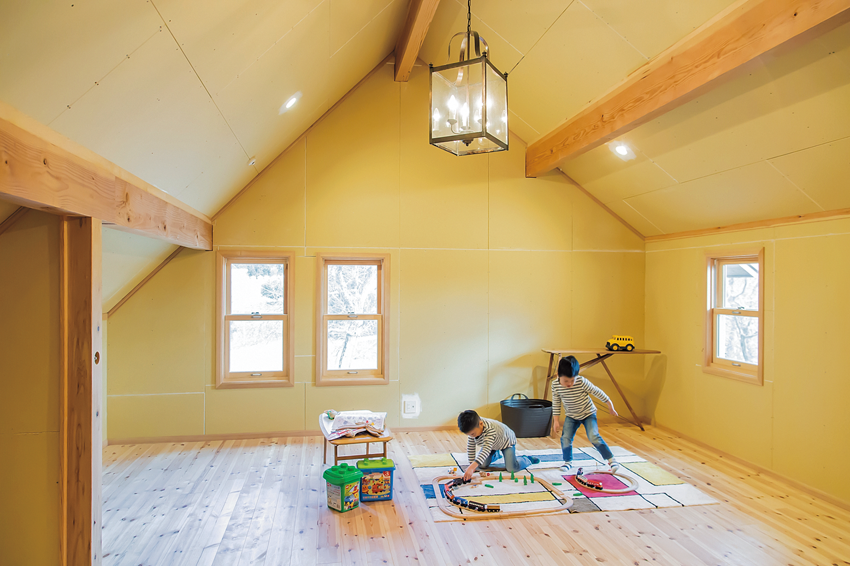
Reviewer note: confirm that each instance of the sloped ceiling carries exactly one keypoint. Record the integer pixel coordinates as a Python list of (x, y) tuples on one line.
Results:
[(183, 92)]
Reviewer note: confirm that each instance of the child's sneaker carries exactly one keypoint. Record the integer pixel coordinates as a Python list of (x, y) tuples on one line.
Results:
[(613, 464), (534, 460), (566, 468)]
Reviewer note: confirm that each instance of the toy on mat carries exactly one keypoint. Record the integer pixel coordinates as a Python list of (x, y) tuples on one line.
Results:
[(618, 342), (631, 483), (466, 503)]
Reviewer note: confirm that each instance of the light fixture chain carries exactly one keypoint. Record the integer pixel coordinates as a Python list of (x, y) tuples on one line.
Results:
[(469, 29)]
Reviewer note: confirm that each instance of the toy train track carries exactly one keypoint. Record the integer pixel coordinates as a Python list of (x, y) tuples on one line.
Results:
[(453, 504), (595, 485)]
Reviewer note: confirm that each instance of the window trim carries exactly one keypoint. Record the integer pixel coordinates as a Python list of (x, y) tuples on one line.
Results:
[(747, 373), (224, 379), (324, 377)]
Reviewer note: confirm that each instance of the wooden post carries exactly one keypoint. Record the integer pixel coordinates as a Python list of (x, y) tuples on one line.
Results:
[(80, 428)]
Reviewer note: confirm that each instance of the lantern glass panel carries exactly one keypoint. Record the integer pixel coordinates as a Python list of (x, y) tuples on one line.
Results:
[(497, 105), (456, 100)]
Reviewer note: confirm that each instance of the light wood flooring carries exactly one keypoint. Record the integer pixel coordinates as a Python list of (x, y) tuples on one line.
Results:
[(257, 502)]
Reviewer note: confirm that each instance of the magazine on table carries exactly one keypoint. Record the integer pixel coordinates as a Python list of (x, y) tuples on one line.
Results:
[(352, 423)]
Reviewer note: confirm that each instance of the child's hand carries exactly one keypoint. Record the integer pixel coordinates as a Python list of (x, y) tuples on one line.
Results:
[(612, 409), (556, 426), (467, 475)]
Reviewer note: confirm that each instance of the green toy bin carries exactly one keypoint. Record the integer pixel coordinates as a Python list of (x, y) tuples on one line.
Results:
[(377, 482), (343, 487)]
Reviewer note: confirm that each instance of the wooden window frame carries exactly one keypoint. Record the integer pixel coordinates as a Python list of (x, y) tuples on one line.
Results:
[(239, 380), (380, 376), (715, 261)]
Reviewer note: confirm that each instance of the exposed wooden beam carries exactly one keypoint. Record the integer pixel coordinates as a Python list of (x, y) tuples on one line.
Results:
[(419, 16), (80, 392), (784, 221), (43, 170), (12, 219), (143, 282), (691, 67)]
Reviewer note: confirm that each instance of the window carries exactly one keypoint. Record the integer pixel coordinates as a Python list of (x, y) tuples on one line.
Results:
[(352, 304), (734, 342), (254, 342)]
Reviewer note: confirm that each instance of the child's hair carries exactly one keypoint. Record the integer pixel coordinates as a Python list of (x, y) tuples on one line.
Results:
[(467, 421), (568, 367)]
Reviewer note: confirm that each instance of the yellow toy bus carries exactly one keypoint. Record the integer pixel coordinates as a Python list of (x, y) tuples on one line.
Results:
[(617, 343)]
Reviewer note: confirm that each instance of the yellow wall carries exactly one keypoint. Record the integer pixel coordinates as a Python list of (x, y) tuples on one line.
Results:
[(487, 268), (797, 423), (29, 404)]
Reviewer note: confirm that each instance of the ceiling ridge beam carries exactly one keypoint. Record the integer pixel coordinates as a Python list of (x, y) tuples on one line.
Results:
[(327, 113), (420, 13), (41, 169), (686, 70), (744, 226), (588, 194)]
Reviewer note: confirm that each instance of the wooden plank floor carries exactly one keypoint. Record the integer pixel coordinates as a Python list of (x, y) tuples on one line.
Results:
[(263, 502)]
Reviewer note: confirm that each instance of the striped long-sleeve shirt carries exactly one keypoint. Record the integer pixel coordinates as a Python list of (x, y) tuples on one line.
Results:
[(495, 436), (576, 399)]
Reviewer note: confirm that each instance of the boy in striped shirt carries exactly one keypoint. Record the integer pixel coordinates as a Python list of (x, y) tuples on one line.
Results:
[(572, 392), (491, 437)]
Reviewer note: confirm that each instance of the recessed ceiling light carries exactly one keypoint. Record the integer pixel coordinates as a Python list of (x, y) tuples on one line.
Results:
[(622, 151), (252, 162), (290, 102)]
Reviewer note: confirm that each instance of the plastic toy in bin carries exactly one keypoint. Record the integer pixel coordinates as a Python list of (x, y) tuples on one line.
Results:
[(377, 481), (343, 487)]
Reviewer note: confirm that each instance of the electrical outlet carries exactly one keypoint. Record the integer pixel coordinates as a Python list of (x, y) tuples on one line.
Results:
[(409, 407)]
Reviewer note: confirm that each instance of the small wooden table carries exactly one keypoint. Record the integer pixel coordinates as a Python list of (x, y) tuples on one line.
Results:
[(601, 354), (363, 438)]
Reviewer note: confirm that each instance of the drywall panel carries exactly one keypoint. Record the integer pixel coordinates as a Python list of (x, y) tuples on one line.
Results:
[(521, 24), (635, 219), (348, 17), (52, 52), (822, 172), (443, 197), (778, 104), (304, 309), (160, 339), (545, 89), (353, 186), (30, 498), (810, 393), (144, 416), (530, 308), (450, 19), (6, 209), (527, 214), (605, 287), (272, 211), (653, 26), (609, 178), (370, 45), (29, 325), (352, 398), (754, 192), (127, 259), (104, 384), (444, 332), (231, 411), (254, 101), (152, 116), (594, 228), (242, 35)]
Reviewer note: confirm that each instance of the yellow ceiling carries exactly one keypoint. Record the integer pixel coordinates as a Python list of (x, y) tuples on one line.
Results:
[(183, 92)]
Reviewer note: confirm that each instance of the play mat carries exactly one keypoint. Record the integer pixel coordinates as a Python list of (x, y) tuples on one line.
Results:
[(656, 487)]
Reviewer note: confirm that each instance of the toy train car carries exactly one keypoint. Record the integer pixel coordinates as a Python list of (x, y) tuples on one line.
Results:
[(473, 505), (589, 484)]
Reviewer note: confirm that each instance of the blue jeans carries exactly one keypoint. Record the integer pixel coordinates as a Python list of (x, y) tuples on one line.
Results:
[(592, 430), (513, 463)]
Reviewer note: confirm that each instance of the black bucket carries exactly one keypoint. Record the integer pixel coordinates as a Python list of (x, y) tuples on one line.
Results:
[(528, 418)]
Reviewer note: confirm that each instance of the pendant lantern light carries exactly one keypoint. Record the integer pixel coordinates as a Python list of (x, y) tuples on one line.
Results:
[(469, 99)]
